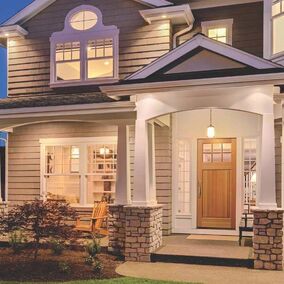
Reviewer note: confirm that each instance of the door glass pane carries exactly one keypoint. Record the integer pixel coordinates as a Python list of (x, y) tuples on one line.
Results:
[(217, 158), (227, 147), (207, 148), (227, 157), (217, 148), (207, 158)]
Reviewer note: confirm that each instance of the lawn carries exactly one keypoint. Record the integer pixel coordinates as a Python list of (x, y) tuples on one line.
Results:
[(110, 281)]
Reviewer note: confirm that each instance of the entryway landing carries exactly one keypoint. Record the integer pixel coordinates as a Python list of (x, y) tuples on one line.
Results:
[(207, 250)]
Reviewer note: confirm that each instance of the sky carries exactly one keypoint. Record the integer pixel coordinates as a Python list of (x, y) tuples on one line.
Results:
[(8, 8)]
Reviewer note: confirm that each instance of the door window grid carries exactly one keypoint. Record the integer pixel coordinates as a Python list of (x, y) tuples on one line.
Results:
[(184, 172), (217, 153), (249, 175)]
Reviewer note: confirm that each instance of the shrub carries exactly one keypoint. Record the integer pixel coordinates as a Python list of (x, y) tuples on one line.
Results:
[(97, 266), (39, 220), (89, 260), (17, 241), (64, 267), (57, 246), (93, 248)]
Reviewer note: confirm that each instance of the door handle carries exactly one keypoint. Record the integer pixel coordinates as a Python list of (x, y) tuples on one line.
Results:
[(199, 190)]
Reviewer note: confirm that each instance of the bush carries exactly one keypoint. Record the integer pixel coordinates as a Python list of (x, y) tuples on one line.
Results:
[(64, 267), (97, 266), (17, 241), (89, 260), (39, 220), (57, 246), (93, 248)]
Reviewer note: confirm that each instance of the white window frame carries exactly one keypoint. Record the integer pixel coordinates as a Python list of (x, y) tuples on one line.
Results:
[(225, 23), (69, 34), (82, 143), (268, 35)]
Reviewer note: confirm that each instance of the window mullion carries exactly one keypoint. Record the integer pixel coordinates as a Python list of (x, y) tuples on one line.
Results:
[(83, 174), (83, 59)]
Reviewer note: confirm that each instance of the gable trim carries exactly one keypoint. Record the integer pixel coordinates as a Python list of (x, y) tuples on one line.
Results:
[(209, 44), (39, 5)]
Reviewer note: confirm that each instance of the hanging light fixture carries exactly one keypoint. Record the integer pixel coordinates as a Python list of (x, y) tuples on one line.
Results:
[(211, 128)]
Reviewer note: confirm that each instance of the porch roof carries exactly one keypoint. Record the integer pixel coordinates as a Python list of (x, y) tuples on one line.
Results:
[(53, 100)]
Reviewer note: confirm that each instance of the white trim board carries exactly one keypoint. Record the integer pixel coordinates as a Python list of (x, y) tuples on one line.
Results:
[(207, 43), (39, 5)]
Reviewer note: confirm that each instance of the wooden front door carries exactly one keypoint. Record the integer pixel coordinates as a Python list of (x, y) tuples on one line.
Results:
[(216, 183)]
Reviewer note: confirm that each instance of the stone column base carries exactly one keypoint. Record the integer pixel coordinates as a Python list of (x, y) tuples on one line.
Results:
[(143, 232), (135, 232), (268, 239), (116, 229)]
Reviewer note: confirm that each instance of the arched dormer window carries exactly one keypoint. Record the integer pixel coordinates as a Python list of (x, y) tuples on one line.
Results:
[(86, 51)]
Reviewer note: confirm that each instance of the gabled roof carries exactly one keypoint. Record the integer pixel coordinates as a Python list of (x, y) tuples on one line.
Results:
[(38, 5), (183, 56)]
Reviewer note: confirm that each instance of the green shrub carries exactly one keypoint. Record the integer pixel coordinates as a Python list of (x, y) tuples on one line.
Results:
[(93, 248), (89, 260), (17, 241), (57, 246), (97, 266), (64, 267)]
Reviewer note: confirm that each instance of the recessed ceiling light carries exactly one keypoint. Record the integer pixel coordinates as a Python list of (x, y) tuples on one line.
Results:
[(6, 34), (106, 62), (164, 16)]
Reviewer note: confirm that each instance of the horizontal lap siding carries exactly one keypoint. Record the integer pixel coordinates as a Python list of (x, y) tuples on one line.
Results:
[(29, 58), (24, 154), (247, 27)]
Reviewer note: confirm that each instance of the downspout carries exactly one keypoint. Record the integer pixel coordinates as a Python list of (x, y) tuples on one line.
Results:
[(180, 33)]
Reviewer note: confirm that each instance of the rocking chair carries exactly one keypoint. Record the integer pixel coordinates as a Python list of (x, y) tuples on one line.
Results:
[(94, 226)]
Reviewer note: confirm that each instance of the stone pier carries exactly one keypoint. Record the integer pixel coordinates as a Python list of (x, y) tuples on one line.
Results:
[(268, 239), (135, 232)]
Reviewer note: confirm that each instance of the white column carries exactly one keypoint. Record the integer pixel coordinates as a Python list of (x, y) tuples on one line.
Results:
[(144, 193), (266, 188), (282, 158), (122, 194)]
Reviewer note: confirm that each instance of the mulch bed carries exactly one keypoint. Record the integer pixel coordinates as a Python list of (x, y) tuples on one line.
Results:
[(22, 267)]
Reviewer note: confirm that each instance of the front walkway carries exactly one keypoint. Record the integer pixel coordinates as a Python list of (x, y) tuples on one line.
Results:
[(199, 274)]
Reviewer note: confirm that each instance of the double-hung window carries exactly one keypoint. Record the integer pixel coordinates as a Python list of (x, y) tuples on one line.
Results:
[(278, 26), (86, 51)]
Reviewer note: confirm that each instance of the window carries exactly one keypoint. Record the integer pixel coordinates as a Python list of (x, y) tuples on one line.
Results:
[(278, 26), (80, 172), (249, 173), (220, 30), (86, 51), (183, 194)]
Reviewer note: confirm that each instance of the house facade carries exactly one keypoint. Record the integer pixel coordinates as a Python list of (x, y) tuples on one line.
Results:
[(169, 110)]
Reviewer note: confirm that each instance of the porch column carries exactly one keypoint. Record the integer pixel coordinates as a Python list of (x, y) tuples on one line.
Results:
[(267, 194), (144, 193), (116, 220), (123, 196)]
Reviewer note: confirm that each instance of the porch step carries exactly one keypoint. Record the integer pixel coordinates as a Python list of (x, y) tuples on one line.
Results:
[(202, 260)]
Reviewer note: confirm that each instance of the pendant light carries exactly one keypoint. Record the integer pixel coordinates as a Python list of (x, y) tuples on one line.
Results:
[(211, 128)]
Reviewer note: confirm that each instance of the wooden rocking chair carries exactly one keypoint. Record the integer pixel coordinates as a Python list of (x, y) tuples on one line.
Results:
[(99, 215)]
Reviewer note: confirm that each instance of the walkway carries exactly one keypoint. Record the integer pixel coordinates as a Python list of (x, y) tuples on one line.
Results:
[(199, 274)]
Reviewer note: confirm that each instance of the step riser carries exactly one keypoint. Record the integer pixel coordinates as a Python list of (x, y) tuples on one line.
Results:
[(248, 263)]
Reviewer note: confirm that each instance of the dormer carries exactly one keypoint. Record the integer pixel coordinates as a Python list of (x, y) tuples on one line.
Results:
[(86, 51)]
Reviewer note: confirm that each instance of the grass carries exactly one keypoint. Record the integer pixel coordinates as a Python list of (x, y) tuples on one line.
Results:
[(109, 281)]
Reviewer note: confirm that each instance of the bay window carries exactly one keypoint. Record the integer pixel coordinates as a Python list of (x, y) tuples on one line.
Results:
[(86, 51)]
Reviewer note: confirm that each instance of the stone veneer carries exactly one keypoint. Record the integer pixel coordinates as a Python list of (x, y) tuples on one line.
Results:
[(268, 239), (135, 232)]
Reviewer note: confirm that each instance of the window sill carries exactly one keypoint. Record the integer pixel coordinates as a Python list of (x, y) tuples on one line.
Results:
[(78, 83)]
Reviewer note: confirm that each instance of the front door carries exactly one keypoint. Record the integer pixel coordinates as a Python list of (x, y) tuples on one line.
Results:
[(216, 183)]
